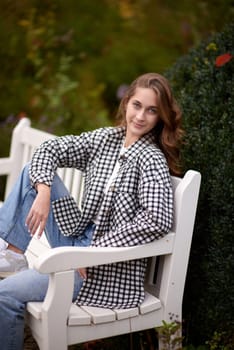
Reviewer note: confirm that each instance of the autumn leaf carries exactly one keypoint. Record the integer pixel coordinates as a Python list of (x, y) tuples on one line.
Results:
[(223, 59)]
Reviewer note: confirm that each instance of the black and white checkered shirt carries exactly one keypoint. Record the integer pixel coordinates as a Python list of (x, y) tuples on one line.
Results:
[(137, 208)]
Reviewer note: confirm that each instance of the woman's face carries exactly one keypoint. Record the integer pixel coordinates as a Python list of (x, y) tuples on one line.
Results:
[(141, 114)]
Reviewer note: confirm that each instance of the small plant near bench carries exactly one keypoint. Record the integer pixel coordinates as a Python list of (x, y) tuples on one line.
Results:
[(170, 335)]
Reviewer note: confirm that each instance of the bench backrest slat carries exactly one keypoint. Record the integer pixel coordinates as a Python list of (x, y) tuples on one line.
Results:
[(25, 140)]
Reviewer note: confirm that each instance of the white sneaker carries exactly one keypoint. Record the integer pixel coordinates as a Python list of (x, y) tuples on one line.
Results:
[(3, 244), (11, 262)]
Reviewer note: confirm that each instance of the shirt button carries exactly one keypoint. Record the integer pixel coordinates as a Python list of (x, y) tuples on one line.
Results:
[(100, 234), (112, 188)]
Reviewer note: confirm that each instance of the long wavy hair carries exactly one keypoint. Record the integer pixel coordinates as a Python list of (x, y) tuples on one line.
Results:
[(168, 131)]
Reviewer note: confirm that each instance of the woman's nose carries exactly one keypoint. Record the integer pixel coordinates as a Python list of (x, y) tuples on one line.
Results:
[(140, 114)]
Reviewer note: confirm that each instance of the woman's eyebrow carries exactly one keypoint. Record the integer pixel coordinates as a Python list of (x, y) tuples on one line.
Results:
[(138, 101), (154, 106)]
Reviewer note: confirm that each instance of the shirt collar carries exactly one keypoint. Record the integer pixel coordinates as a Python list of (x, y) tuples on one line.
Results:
[(137, 147)]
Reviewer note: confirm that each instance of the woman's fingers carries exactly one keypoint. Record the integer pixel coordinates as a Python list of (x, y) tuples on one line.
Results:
[(82, 272), (38, 214), (35, 222)]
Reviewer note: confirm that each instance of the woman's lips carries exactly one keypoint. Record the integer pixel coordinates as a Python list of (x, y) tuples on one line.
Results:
[(138, 126)]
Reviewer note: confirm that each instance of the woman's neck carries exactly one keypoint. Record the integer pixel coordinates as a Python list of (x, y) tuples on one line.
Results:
[(129, 140)]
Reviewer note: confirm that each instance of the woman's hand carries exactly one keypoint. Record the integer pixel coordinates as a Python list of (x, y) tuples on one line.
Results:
[(82, 272), (38, 214)]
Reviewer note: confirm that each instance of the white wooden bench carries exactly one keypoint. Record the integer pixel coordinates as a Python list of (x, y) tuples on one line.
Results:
[(56, 322)]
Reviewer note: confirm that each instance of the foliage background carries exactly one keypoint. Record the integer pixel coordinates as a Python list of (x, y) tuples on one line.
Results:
[(65, 64), (204, 86)]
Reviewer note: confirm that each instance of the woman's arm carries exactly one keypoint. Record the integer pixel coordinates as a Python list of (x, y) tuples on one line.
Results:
[(62, 152), (67, 151)]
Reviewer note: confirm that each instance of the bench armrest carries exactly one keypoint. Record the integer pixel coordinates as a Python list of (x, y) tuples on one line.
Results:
[(70, 258)]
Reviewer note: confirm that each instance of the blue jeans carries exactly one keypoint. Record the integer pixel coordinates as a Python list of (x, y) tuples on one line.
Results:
[(28, 285)]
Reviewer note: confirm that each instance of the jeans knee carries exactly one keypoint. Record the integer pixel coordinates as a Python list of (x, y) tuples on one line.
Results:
[(11, 307)]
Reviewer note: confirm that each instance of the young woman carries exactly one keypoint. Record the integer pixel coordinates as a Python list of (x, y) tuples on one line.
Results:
[(127, 201)]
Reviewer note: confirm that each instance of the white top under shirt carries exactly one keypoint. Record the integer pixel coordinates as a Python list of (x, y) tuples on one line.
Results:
[(115, 171), (113, 175)]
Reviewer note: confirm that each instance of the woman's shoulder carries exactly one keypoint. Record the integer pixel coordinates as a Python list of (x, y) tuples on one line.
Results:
[(151, 153), (105, 133), (152, 158), (108, 130)]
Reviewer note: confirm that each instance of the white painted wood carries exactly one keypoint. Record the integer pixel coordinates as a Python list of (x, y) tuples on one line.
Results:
[(96, 331), (57, 322), (64, 258), (150, 304), (99, 315), (24, 142), (36, 247), (34, 308), (122, 314), (77, 316), (5, 166)]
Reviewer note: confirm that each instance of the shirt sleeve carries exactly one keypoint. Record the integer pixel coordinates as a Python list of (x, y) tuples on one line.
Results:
[(66, 151)]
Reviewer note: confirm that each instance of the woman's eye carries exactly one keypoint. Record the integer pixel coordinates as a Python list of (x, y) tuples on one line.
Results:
[(136, 105), (152, 110)]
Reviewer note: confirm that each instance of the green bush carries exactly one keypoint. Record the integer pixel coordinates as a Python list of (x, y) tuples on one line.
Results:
[(203, 83)]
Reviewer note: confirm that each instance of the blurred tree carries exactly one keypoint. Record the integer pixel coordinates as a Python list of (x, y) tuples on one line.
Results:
[(63, 62)]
